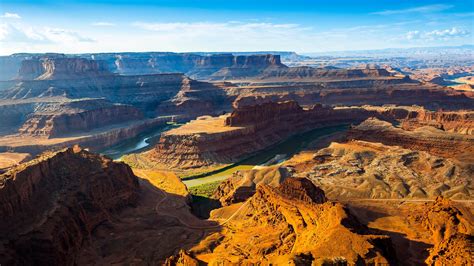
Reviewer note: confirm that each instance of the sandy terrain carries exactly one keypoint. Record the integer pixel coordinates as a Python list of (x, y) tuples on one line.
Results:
[(8, 159)]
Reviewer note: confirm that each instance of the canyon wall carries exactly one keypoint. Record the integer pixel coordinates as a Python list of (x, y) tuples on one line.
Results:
[(61, 68), (353, 92), (60, 119), (50, 205), (457, 122), (196, 98), (435, 141)]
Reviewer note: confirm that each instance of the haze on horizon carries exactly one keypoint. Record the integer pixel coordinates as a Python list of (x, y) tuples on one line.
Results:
[(184, 26)]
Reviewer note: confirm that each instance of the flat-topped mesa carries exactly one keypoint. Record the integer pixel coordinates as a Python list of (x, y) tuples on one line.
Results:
[(228, 66), (61, 68), (310, 73), (230, 60), (60, 119), (50, 205)]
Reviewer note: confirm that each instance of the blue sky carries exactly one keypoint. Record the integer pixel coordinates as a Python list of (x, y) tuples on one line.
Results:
[(211, 25)]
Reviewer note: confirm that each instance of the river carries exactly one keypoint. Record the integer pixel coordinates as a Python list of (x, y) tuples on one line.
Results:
[(136, 144), (270, 156)]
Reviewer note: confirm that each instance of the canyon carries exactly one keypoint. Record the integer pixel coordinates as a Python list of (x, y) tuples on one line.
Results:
[(242, 158)]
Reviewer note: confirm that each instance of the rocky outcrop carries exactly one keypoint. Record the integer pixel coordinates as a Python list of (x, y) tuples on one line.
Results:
[(60, 119), (291, 222), (196, 98), (50, 205), (61, 68), (452, 233), (429, 139), (301, 189), (365, 170), (243, 184)]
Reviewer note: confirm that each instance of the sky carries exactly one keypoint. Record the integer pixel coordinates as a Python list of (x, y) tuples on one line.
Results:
[(303, 26)]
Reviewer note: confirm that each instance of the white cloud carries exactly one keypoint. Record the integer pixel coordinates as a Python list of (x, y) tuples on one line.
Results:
[(215, 28), (10, 15), (103, 24), (22, 33), (420, 9), (446, 34)]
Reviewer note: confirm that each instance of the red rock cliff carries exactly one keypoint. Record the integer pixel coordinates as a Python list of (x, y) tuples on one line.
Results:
[(49, 206)]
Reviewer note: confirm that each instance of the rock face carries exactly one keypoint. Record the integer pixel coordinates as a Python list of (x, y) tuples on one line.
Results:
[(59, 119), (309, 73), (61, 68), (230, 138), (452, 233), (302, 189), (196, 98), (50, 206), (352, 92), (365, 170), (243, 184), (430, 139), (458, 122), (291, 222)]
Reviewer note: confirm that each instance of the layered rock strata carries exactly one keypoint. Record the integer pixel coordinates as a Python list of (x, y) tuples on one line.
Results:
[(457, 122), (60, 119), (50, 205), (196, 98), (243, 184), (291, 222), (429, 139), (61, 68), (356, 92)]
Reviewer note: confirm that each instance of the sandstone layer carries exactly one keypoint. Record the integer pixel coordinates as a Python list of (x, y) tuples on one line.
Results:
[(357, 92), (452, 233), (430, 139), (59, 119), (243, 184), (50, 205), (195, 98), (61, 68), (291, 223)]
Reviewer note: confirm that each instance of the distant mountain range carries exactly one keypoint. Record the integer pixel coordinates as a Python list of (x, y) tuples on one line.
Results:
[(463, 50)]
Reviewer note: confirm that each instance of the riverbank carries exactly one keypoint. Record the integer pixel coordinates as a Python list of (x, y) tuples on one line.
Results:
[(287, 148)]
